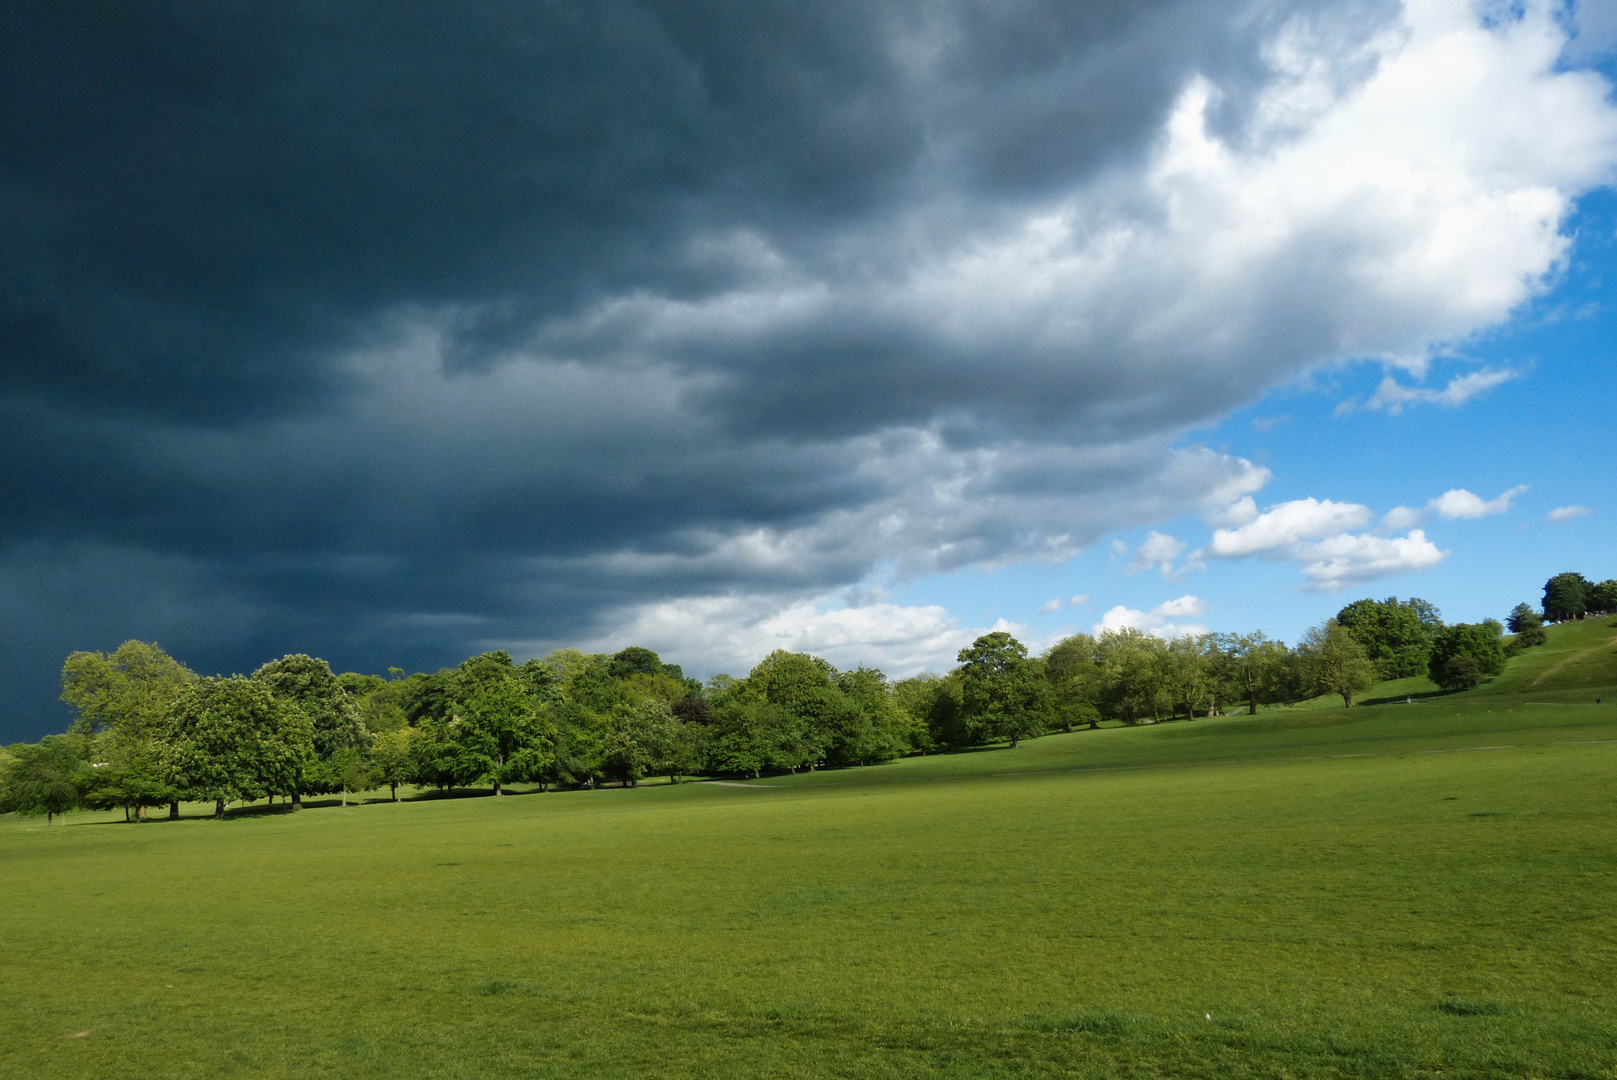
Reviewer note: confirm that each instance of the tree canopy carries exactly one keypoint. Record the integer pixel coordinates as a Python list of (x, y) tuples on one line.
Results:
[(1003, 692), (1566, 596), (1335, 661), (1396, 637)]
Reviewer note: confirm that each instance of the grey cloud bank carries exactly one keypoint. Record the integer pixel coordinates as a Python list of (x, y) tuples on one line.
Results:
[(392, 332)]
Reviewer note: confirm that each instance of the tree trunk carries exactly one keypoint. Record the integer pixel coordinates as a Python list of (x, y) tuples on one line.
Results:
[(345, 796), (1252, 705), (297, 800), (496, 785), (1014, 741), (49, 817), (1347, 699), (395, 792), (1094, 723), (174, 811), (126, 815), (218, 808)]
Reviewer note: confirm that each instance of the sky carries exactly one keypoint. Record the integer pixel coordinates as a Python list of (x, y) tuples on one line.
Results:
[(395, 333)]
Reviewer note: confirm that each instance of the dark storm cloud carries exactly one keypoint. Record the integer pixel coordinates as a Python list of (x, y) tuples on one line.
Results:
[(388, 329), (201, 203)]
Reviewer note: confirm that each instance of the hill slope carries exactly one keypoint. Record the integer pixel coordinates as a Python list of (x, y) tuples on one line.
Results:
[(1400, 891)]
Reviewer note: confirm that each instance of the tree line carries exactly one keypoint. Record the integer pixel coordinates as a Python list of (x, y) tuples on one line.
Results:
[(149, 732)]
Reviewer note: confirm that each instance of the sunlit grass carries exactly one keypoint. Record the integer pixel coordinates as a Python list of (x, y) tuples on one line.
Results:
[(1403, 890)]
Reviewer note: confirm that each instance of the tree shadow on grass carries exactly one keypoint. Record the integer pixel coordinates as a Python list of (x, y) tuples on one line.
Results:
[(1399, 699)]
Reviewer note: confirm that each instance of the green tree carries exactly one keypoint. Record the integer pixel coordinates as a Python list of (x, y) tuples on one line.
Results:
[(932, 704), (1335, 661), (1075, 681), (747, 735), (634, 660), (122, 698), (1527, 625), (1397, 637), (675, 742), (44, 778), (1257, 667), (645, 740), (1566, 597), (230, 738), (497, 732), (1603, 597), (128, 690), (1192, 669), (392, 759), (1131, 683), (307, 684), (1467, 653), (380, 702), (127, 774), (1003, 691), (817, 722)]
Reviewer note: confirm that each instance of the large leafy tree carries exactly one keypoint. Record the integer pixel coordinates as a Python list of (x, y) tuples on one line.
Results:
[(1193, 668), (1132, 682), (1075, 681), (1603, 597), (307, 684), (230, 738), (1335, 662), (1258, 668), (128, 690), (46, 778), (932, 703), (749, 735), (1566, 596), (646, 740), (1527, 625), (497, 732), (878, 729), (1396, 636), (391, 759), (1465, 654), (128, 774), (1003, 691), (816, 721), (121, 698)]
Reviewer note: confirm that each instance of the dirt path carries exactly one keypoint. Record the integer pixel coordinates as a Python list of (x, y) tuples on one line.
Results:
[(1558, 665)]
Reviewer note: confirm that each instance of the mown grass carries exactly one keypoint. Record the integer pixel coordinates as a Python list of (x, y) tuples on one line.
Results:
[(1401, 891)]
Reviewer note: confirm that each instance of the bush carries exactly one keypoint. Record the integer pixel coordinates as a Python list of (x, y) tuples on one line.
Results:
[(1458, 672)]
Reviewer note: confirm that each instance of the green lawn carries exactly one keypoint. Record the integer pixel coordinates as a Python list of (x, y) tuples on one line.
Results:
[(1402, 890)]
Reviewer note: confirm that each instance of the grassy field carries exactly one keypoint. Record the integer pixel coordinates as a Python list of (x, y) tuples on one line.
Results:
[(1402, 890)]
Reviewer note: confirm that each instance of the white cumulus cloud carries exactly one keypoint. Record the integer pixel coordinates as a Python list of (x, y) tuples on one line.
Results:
[(1460, 503), (1316, 534), (1562, 514), (1346, 560), (1165, 620), (1058, 603), (1283, 527), (1157, 553)]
